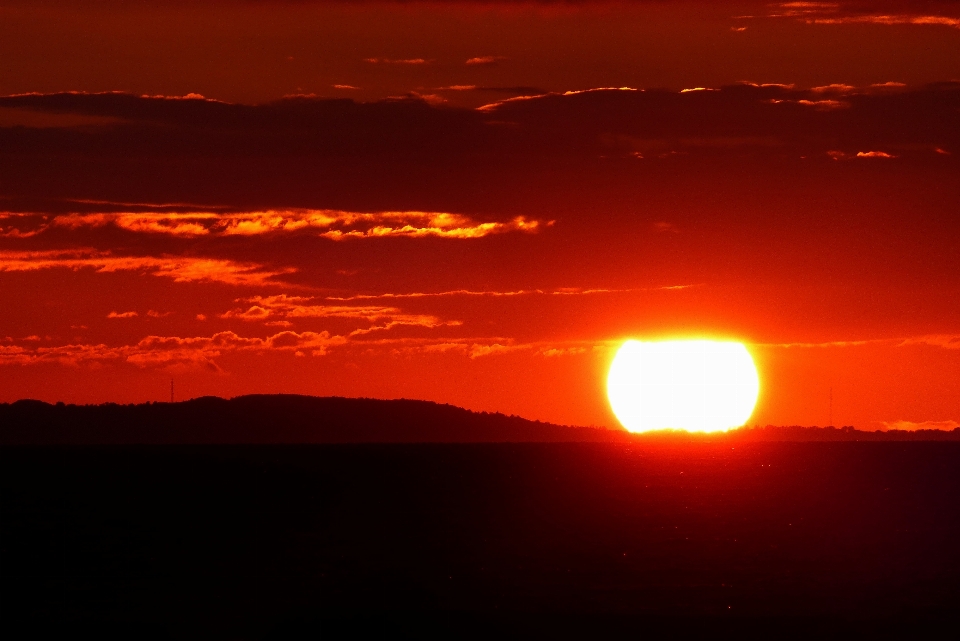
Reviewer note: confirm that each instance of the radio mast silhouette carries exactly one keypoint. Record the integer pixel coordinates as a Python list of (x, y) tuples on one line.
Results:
[(171, 390), (831, 404)]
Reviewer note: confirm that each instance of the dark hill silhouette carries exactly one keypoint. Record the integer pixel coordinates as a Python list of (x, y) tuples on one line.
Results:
[(267, 419), (289, 418)]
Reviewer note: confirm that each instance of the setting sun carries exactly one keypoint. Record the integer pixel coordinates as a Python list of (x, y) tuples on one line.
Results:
[(416, 318), (695, 385)]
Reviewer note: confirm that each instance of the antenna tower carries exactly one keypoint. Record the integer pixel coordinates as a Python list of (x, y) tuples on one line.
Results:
[(831, 406), (171, 390)]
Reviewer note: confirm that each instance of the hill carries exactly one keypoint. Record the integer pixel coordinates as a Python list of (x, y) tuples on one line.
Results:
[(268, 419)]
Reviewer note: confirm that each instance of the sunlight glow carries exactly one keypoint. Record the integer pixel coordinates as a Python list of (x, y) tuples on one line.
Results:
[(694, 385)]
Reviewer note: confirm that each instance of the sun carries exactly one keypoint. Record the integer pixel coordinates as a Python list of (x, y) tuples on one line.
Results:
[(694, 385)]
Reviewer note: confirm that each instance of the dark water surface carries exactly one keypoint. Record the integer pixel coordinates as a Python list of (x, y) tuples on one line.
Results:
[(694, 540)]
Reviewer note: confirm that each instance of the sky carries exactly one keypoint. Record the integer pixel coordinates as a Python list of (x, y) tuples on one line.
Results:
[(476, 203)]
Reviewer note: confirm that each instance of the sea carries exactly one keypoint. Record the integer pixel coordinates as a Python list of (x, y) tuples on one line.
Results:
[(481, 541)]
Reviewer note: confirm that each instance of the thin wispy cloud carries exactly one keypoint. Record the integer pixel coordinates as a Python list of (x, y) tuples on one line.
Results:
[(165, 351), (189, 96), (484, 60), (286, 308), (824, 105), (564, 291), (179, 268), (825, 344), (946, 341), (834, 88), (332, 224), (942, 21), (836, 154), (834, 13), (493, 106), (481, 347), (397, 61)]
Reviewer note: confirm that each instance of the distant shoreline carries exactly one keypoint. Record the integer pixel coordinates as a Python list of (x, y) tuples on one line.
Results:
[(293, 419)]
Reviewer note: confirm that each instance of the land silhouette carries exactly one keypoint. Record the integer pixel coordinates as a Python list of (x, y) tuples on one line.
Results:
[(302, 517), (295, 419), (276, 419)]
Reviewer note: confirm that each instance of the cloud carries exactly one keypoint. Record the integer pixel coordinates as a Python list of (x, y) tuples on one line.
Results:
[(799, 345), (578, 92), (122, 315), (834, 88), (189, 96), (397, 61), (474, 348), (744, 118), (165, 351), (281, 308), (825, 105), (911, 426), (332, 224), (946, 341), (484, 60), (945, 21), (180, 269), (836, 154), (331, 150), (20, 225), (494, 106), (833, 13), (564, 291), (254, 313), (563, 351)]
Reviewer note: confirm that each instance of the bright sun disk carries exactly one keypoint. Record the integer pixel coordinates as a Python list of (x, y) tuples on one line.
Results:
[(694, 385)]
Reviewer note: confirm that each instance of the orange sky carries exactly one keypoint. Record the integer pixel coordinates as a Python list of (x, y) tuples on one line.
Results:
[(474, 203)]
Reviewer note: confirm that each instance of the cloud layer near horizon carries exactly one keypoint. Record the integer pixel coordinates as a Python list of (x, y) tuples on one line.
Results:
[(573, 122)]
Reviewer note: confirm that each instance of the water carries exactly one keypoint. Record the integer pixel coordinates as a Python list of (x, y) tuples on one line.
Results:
[(788, 540)]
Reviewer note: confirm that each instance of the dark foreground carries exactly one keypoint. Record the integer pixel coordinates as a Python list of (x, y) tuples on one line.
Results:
[(695, 540)]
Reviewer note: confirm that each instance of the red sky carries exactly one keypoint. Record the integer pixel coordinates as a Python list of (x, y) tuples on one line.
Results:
[(474, 203)]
